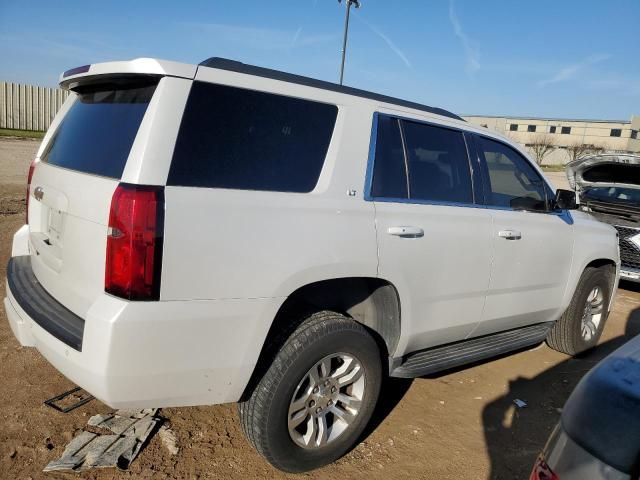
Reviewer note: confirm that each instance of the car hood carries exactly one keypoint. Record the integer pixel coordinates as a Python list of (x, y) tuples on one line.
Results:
[(604, 170)]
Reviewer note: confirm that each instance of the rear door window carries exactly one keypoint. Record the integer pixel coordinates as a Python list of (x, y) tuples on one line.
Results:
[(97, 132), (438, 164), (422, 162), (243, 139), (390, 174)]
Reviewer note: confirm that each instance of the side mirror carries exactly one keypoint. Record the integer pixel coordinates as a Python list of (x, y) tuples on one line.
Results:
[(565, 199)]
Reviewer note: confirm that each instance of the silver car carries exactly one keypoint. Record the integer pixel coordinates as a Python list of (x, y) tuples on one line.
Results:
[(608, 186), (598, 437)]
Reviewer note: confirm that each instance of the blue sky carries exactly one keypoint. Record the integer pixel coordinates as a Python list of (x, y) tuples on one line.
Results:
[(573, 58)]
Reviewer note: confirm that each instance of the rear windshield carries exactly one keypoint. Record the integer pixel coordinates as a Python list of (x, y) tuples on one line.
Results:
[(97, 132)]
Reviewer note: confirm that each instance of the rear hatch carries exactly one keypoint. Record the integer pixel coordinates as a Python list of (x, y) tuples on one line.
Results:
[(73, 183)]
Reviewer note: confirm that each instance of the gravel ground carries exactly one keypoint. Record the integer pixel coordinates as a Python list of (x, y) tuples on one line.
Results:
[(15, 157), (461, 425)]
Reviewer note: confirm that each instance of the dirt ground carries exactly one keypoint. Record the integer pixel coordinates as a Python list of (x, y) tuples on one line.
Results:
[(461, 425)]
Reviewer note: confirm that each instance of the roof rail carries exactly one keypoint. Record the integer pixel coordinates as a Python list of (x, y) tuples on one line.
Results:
[(239, 67)]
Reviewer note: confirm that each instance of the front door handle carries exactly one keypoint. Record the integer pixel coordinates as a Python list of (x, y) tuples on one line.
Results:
[(406, 232), (510, 234)]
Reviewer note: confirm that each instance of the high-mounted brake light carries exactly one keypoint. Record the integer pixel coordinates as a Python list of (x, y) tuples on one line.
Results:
[(542, 471), (134, 242), (76, 70), (29, 177)]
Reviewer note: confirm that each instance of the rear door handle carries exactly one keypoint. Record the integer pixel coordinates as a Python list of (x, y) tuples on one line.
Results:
[(406, 232), (510, 234)]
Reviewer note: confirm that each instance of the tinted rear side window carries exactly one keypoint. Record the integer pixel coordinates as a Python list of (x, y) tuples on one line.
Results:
[(438, 164), (243, 139), (96, 134), (390, 174)]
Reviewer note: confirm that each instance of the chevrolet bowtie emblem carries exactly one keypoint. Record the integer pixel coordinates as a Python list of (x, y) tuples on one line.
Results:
[(38, 193)]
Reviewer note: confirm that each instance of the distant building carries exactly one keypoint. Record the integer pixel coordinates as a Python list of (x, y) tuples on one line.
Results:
[(610, 135)]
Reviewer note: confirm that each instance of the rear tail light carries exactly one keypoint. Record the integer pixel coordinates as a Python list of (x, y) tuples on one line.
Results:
[(29, 177), (542, 471), (134, 242)]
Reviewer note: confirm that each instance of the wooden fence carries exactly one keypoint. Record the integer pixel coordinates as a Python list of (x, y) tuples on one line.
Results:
[(27, 107)]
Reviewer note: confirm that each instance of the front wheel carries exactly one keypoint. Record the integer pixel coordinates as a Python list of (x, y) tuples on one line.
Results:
[(317, 396), (581, 325)]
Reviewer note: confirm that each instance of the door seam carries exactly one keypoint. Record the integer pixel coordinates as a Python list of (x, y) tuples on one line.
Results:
[(490, 276)]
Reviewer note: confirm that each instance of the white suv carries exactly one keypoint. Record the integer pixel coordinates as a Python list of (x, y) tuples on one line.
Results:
[(201, 234)]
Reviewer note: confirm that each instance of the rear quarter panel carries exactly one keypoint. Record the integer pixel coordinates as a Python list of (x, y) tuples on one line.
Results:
[(223, 243)]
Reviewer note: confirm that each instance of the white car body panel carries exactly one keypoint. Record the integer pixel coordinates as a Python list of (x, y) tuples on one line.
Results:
[(137, 354), (442, 276), (151, 152), (529, 275), (232, 257), (267, 253), (599, 246)]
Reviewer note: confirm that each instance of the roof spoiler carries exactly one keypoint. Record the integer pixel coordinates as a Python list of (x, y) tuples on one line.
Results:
[(139, 66)]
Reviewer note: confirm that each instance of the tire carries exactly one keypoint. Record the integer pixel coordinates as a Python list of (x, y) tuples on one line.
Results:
[(568, 334), (324, 342)]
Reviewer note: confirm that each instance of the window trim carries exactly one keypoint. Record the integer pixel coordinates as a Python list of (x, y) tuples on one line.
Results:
[(487, 186), (405, 156), (476, 186)]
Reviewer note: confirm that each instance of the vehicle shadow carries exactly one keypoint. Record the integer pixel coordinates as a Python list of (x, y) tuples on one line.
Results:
[(515, 436)]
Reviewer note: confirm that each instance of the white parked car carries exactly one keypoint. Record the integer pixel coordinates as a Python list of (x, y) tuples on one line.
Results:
[(201, 234)]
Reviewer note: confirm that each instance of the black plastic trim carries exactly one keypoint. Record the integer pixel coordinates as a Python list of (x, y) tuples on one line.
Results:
[(239, 67), (452, 355), (41, 307)]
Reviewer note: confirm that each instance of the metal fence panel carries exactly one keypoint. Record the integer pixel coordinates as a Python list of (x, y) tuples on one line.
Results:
[(29, 107)]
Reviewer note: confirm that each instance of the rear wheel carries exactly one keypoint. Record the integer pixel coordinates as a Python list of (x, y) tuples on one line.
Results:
[(317, 396), (581, 325)]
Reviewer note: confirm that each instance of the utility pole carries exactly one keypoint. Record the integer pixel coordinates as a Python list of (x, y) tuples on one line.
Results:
[(355, 3)]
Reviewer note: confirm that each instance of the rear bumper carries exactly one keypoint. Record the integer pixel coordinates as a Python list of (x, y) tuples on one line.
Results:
[(569, 461), (155, 354), (40, 306)]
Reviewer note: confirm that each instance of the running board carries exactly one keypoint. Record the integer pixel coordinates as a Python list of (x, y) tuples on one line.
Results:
[(452, 355)]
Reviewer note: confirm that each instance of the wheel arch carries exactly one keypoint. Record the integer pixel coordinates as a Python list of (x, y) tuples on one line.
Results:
[(372, 302), (600, 262)]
